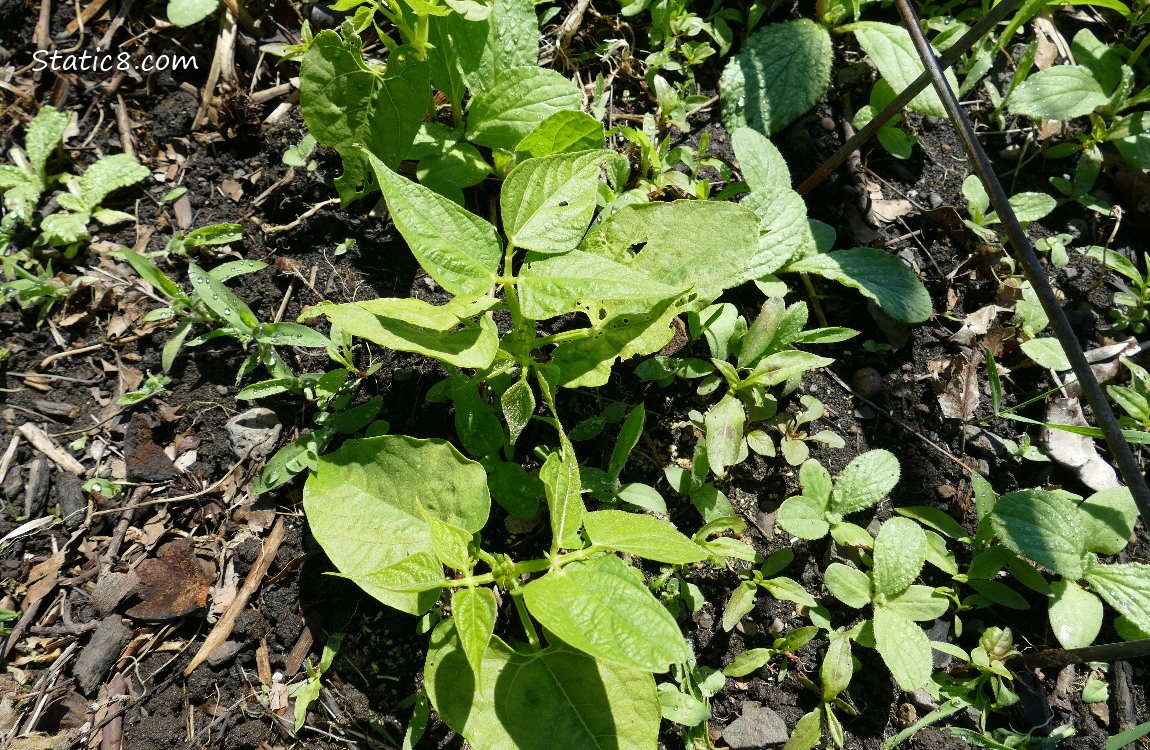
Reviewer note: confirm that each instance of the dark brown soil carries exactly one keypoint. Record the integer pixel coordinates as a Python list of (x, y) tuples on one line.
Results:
[(241, 701)]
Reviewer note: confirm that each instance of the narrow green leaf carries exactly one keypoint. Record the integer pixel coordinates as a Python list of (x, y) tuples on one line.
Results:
[(473, 611), (220, 300), (560, 475), (741, 602), (725, 422), (807, 732), (837, 668), (748, 661), (518, 404), (629, 435)]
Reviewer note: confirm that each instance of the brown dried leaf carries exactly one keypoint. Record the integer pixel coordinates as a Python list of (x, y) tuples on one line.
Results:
[(959, 398), (172, 584)]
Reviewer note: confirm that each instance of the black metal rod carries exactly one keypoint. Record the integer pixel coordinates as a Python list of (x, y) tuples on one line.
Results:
[(1024, 251), (950, 57), (1060, 657)]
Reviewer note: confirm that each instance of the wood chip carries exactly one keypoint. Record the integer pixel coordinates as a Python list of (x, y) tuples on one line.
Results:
[(49, 448), (101, 653)]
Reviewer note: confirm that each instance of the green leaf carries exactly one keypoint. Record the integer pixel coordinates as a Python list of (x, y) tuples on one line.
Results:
[(865, 481), (937, 519), (803, 517), (518, 404), (473, 611), (1028, 207), (643, 496), (904, 648), (891, 50), (741, 602), (564, 132), (44, 135), (748, 661), (184, 13), (450, 543), (629, 435), (781, 366), (557, 698), (1109, 518), (560, 476), (1061, 92), (363, 505), (778, 76), (781, 587), (222, 302), (784, 231), (508, 38), (457, 248), (415, 573), (411, 325), (1043, 526), (1000, 593), (109, 174), (547, 203), (724, 423), (851, 535), (350, 106), (520, 100), (232, 269), (918, 603), (849, 585), (807, 732), (449, 171), (645, 536), (816, 482), (580, 281), (681, 708), (899, 554), (216, 234), (1126, 587), (292, 334), (602, 607), (1075, 614), (837, 668), (877, 274)]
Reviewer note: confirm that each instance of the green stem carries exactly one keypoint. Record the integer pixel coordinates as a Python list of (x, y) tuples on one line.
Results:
[(528, 626), (422, 29), (564, 336)]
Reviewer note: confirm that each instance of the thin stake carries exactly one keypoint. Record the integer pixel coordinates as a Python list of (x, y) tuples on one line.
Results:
[(1024, 251), (950, 57)]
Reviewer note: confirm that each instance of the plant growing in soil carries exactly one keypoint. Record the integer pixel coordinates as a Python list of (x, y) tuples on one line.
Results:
[(1132, 303), (835, 674)]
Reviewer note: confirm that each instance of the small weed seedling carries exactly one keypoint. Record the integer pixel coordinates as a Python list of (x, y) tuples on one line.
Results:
[(823, 506)]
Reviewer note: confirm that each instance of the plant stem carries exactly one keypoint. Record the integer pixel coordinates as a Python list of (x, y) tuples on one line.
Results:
[(1060, 657), (528, 626)]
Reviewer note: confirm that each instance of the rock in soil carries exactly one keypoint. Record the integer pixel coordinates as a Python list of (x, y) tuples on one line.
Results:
[(758, 727), (145, 460), (253, 433), (101, 653), (70, 495)]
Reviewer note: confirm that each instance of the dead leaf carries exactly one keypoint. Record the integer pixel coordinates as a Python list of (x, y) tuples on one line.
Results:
[(232, 189), (975, 324), (172, 584), (42, 579), (1078, 453), (960, 396)]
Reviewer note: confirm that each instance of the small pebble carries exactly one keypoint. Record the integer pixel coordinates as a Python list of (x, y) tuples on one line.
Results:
[(866, 382), (827, 124), (935, 200), (945, 491)]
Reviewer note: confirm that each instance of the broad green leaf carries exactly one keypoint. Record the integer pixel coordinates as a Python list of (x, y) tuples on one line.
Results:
[(645, 536), (807, 732), (849, 585), (1101, 59), (803, 517), (363, 499), (1126, 587), (519, 101), (778, 76), (1131, 136), (602, 607), (587, 362), (725, 422), (1029, 207), (816, 482), (44, 135), (350, 106), (473, 611), (748, 661), (719, 254), (1109, 517), (457, 248), (68, 228), (904, 648), (1043, 526), (560, 476), (1061, 92), (918, 603), (518, 404), (837, 668), (450, 543), (891, 50), (508, 38), (899, 554), (421, 571), (781, 366), (763, 167), (741, 602), (109, 174), (547, 203), (557, 698), (643, 496), (449, 171), (222, 302), (411, 325), (564, 132), (781, 587), (784, 231), (1075, 614), (877, 274), (680, 707), (577, 280), (184, 13), (865, 481)]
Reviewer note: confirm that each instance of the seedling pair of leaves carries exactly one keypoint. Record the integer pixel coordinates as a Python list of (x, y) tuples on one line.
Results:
[(900, 550), (835, 675), (27, 179), (1067, 535), (392, 512), (744, 596), (1027, 207), (1132, 303)]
